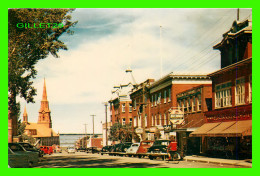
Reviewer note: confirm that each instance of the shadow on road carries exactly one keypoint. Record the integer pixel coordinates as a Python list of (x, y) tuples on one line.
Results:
[(67, 162)]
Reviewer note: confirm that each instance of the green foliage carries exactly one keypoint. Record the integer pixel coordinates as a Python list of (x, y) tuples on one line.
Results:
[(21, 127), (122, 133), (26, 46)]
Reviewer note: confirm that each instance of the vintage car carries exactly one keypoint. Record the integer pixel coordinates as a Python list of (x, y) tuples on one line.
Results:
[(115, 147), (144, 146), (106, 148), (18, 160), (31, 148), (47, 149), (33, 157), (92, 150), (124, 146), (133, 149), (71, 150), (159, 146)]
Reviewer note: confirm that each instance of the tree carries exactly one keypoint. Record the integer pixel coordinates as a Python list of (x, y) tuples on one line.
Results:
[(32, 36), (122, 133)]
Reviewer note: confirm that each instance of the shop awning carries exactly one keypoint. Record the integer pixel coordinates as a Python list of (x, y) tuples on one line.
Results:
[(240, 128), (220, 128), (204, 129)]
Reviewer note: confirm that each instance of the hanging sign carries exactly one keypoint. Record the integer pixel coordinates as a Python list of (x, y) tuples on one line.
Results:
[(176, 116)]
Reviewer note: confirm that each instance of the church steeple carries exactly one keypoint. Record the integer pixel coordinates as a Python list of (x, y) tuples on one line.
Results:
[(44, 95), (25, 115), (44, 112)]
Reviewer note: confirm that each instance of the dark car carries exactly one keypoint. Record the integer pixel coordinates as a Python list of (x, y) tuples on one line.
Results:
[(31, 148), (106, 148), (159, 146), (92, 150), (124, 146), (18, 149), (144, 146), (115, 147)]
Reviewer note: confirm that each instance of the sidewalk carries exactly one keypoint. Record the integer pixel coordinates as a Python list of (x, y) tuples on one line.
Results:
[(194, 158)]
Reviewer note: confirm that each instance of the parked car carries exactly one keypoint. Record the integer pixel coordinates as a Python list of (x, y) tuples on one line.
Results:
[(31, 148), (133, 149), (58, 149), (144, 146), (92, 150), (18, 149), (71, 150), (81, 149), (159, 146), (115, 147), (18, 160), (106, 148), (47, 149), (124, 146)]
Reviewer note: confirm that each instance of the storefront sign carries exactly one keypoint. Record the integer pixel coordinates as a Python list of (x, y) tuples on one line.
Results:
[(176, 116), (139, 130)]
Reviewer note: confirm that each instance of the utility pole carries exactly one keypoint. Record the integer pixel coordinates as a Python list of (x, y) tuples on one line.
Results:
[(238, 14), (106, 122), (93, 128), (86, 142)]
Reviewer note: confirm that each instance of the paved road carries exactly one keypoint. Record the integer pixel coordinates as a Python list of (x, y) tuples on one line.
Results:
[(84, 160)]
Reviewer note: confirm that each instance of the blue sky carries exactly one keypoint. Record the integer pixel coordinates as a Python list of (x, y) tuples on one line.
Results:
[(108, 41)]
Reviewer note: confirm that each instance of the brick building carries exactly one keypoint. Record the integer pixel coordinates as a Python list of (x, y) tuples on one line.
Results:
[(228, 131), (194, 103), (152, 102)]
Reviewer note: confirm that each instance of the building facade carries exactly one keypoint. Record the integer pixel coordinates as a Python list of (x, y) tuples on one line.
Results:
[(228, 131), (194, 103)]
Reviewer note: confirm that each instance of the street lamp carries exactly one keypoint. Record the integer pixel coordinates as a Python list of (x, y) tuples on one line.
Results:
[(106, 104)]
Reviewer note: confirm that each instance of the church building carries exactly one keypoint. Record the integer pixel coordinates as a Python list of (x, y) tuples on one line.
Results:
[(42, 130)]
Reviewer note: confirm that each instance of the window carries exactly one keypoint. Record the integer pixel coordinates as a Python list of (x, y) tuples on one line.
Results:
[(130, 107), (134, 104), (155, 100), (193, 104), (152, 100), (160, 119), (152, 120), (135, 122), (223, 95), (123, 121), (185, 105), (169, 95), (123, 107), (165, 118), (164, 96), (250, 89), (159, 98), (199, 103), (240, 91), (179, 105), (189, 105), (146, 120), (130, 121), (139, 121)]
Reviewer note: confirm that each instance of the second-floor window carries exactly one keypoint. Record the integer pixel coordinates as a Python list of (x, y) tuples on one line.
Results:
[(199, 103), (164, 97), (193, 104), (123, 121), (240, 91), (123, 107), (169, 95), (250, 89), (223, 95), (130, 108)]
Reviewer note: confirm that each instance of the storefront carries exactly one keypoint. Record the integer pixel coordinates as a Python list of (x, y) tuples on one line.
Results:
[(231, 139)]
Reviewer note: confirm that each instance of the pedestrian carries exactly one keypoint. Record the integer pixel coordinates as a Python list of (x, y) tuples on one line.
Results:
[(172, 148)]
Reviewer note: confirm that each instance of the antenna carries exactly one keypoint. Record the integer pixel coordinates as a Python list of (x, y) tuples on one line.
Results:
[(238, 14), (161, 51)]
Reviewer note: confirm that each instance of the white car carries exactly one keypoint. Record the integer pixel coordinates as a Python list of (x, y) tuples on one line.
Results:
[(71, 150), (133, 149)]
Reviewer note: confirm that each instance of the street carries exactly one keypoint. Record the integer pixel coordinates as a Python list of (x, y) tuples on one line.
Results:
[(84, 160)]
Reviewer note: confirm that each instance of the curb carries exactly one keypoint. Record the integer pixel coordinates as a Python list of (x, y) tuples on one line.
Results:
[(218, 162)]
